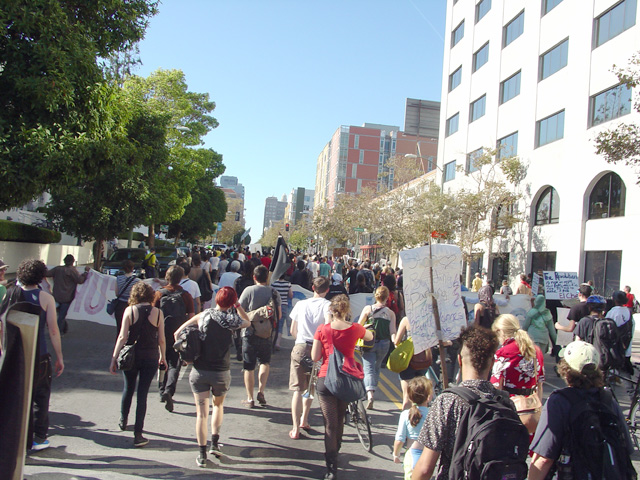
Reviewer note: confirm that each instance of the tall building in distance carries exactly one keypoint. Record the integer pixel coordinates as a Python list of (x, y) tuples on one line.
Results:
[(273, 210), (299, 204), (534, 79), (232, 183), (358, 157)]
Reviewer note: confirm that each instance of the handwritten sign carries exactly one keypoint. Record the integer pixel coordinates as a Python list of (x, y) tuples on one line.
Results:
[(446, 261), (560, 285), (535, 284)]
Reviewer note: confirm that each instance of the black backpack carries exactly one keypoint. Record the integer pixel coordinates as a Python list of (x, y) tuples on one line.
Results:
[(491, 441), (189, 344), (206, 293), (605, 336), (595, 445), (173, 309)]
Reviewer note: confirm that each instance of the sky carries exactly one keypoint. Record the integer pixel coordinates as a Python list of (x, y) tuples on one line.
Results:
[(285, 74)]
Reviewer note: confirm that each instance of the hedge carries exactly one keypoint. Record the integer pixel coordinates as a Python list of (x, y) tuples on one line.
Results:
[(137, 236), (21, 232)]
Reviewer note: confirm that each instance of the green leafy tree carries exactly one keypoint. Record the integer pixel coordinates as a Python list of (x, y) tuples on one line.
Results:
[(231, 226), (54, 102), (208, 207)]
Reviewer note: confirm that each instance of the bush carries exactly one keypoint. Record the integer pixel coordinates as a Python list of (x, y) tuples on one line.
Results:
[(20, 232), (137, 236)]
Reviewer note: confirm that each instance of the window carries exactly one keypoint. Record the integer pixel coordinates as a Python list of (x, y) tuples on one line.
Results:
[(550, 129), (500, 268), (513, 29), (457, 34), (354, 170), (361, 157), (603, 268), (505, 216), (548, 5), (482, 8), (607, 198), (477, 108), (452, 124), (548, 207), (449, 171), (610, 104), (481, 56), (510, 88), (614, 21), (545, 261), (471, 158), (356, 141), (455, 78), (554, 59), (507, 146), (476, 265)]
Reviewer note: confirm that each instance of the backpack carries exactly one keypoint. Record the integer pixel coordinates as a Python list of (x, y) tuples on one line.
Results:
[(263, 318), (625, 332), (14, 300), (206, 293), (173, 309), (605, 336), (595, 443), (392, 303), (491, 441), (189, 344)]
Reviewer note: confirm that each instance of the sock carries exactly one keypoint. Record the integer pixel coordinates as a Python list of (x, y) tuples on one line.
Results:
[(214, 439), (203, 451)]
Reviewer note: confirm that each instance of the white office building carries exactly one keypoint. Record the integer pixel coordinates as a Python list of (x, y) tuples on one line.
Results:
[(534, 76)]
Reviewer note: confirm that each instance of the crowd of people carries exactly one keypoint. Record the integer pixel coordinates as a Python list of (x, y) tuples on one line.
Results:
[(500, 357)]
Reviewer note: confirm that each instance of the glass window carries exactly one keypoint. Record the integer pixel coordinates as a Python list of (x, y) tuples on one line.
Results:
[(507, 146), (477, 108), (607, 198), (543, 261), (482, 8), (554, 59), (610, 104), (550, 129), (361, 157), (548, 5), (476, 265), (452, 124), (513, 29), (499, 268), (548, 207), (471, 157), (356, 141), (481, 56), (510, 88), (457, 34), (455, 78), (614, 21), (449, 171), (603, 268)]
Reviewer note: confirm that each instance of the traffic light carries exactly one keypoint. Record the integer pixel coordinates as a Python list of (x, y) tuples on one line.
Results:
[(286, 227), (237, 216)]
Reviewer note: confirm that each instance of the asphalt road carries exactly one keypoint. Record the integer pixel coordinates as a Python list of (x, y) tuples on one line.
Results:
[(86, 442)]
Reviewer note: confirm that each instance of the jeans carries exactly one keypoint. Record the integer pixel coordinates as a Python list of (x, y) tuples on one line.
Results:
[(63, 309), (146, 370), (372, 360), (170, 380), (39, 418), (285, 320)]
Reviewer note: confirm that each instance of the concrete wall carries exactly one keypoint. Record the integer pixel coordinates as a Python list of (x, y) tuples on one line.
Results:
[(12, 253)]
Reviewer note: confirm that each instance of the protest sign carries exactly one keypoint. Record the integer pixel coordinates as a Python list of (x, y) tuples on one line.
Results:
[(446, 261), (560, 285), (535, 284)]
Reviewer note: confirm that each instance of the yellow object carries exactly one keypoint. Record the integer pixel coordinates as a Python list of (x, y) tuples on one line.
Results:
[(401, 356)]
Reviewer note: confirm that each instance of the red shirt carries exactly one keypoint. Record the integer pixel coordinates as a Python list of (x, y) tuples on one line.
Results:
[(266, 261), (630, 299), (516, 371), (345, 342)]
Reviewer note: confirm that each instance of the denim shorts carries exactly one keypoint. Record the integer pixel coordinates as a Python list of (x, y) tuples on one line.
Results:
[(210, 381)]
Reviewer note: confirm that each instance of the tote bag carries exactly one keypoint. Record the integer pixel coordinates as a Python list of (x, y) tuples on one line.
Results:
[(342, 385)]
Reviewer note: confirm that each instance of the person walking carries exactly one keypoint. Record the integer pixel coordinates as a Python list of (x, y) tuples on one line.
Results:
[(300, 277), (343, 337), (142, 326), (190, 286), (404, 329), (65, 280), (211, 372), (538, 324), (149, 263), (486, 310), (382, 320), (124, 284), (306, 317), (286, 294)]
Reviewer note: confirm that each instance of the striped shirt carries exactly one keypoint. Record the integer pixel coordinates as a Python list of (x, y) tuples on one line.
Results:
[(121, 281), (282, 286)]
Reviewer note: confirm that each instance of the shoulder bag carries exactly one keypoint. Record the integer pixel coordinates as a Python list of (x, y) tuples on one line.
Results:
[(529, 407), (127, 356), (343, 385), (111, 304)]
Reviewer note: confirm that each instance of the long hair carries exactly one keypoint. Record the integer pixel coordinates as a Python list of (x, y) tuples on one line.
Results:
[(509, 325), (419, 390)]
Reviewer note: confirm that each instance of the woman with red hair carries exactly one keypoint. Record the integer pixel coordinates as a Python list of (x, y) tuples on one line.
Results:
[(211, 370)]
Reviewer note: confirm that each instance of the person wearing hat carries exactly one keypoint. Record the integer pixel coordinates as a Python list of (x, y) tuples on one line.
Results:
[(65, 279), (337, 287), (582, 406), (3, 282)]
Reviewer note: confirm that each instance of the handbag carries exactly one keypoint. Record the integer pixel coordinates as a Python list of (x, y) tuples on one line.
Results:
[(401, 356), (422, 360), (370, 325), (344, 381), (529, 407), (111, 304), (126, 358)]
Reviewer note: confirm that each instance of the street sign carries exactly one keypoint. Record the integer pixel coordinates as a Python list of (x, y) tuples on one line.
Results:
[(358, 229), (219, 226)]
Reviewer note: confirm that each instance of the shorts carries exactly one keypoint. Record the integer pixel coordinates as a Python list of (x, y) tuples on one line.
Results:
[(298, 377), (255, 349), (410, 373), (210, 381)]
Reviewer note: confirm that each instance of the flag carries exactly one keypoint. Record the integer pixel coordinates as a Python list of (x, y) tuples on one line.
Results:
[(280, 261), (244, 235)]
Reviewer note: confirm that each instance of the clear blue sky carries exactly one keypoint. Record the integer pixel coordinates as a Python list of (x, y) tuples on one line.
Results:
[(285, 74)]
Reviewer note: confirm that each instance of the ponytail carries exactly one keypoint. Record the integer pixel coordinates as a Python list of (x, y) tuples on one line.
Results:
[(525, 344), (419, 390), (509, 326)]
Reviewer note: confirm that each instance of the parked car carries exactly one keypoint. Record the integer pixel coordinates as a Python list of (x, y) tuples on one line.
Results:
[(166, 256), (113, 265)]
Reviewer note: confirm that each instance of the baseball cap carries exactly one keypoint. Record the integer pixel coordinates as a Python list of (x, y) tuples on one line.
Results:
[(579, 354), (3, 265), (337, 278)]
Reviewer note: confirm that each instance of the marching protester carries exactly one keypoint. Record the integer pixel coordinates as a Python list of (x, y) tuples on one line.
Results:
[(142, 326), (124, 284), (286, 294), (65, 280), (211, 375)]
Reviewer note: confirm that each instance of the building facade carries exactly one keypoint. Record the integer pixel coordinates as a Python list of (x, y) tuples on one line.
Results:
[(227, 181), (299, 205), (533, 77), (273, 211)]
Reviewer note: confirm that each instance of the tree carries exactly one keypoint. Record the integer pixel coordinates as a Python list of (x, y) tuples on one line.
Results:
[(54, 102), (622, 143), (300, 235), (231, 226), (270, 235)]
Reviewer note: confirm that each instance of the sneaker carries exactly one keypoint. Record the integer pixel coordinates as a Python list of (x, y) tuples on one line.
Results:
[(122, 424), (139, 440), (215, 450), (201, 460), (40, 445), (370, 404), (261, 400), (169, 403)]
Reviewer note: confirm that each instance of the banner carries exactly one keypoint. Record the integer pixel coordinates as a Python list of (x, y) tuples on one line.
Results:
[(560, 285), (446, 261), (357, 300), (517, 305), (535, 284)]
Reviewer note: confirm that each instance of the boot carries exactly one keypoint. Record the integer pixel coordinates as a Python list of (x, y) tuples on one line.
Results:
[(331, 459)]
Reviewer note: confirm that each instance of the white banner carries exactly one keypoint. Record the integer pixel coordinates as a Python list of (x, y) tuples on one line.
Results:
[(446, 261), (560, 285), (517, 305)]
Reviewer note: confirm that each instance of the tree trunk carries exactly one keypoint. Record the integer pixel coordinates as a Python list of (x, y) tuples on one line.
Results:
[(152, 236), (130, 238), (177, 242), (97, 253)]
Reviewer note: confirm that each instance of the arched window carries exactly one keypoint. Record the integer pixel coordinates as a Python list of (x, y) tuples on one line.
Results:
[(607, 197), (548, 207)]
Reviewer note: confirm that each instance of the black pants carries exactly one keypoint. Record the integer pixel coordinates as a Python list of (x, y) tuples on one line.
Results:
[(170, 380), (333, 413), (39, 418), (119, 313), (145, 369)]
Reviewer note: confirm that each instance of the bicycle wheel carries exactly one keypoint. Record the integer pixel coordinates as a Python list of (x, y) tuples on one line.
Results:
[(363, 427), (634, 425)]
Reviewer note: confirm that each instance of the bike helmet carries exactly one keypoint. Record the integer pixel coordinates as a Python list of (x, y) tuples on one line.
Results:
[(596, 302)]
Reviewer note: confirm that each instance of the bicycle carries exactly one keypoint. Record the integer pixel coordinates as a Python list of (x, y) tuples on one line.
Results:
[(357, 416), (633, 418)]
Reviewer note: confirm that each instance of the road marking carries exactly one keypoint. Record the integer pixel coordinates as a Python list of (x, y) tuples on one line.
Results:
[(185, 371), (391, 384), (390, 395)]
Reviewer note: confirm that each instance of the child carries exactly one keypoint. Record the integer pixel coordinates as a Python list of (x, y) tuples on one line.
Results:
[(506, 289), (420, 391)]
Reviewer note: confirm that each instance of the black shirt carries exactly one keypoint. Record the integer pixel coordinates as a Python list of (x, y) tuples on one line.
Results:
[(215, 333), (578, 312)]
